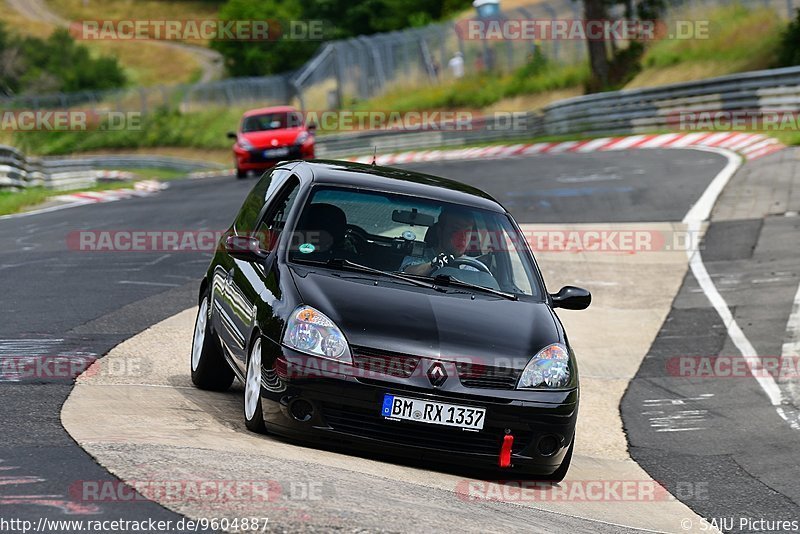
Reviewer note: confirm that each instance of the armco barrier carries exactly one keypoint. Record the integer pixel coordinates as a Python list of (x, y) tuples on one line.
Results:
[(18, 171), (659, 108), (613, 112)]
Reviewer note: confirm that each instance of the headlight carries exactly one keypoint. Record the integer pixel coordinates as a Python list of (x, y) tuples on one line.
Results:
[(548, 369), (302, 138), (245, 144), (310, 331)]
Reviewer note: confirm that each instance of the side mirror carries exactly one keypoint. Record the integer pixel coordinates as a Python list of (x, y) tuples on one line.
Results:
[(244, 248), (232, 135), (572, 298)]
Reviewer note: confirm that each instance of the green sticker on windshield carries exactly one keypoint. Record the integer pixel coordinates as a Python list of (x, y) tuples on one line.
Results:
[(306, 248)]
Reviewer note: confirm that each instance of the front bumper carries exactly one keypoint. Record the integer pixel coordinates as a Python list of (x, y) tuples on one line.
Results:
[(254, 160), (346, 409)]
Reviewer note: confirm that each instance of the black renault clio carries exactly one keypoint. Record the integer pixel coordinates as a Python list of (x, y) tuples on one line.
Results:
[(390, 311)]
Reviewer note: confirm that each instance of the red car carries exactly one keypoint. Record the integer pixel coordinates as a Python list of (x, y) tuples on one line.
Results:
[(269, 135)]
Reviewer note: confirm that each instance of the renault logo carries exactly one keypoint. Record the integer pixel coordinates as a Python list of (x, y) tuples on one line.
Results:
[(436, 374)]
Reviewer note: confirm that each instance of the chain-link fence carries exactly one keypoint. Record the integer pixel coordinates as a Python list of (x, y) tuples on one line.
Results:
[(364, 67), (345, 71)]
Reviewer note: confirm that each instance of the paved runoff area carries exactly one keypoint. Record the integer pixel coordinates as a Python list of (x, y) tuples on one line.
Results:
[(687, 255)]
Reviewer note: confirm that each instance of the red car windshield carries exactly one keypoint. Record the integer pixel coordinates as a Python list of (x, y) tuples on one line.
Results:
[(271, 121)]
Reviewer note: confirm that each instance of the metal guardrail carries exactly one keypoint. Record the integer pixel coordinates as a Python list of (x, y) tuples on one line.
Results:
[(19, 172), (637, 110), (613, 112), (480, 130)]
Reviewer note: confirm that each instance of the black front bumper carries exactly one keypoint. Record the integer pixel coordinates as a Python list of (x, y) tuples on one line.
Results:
[(257, 155), (347, 411)]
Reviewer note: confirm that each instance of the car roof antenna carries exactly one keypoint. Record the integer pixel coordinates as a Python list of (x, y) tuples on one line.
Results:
[(374, 155)]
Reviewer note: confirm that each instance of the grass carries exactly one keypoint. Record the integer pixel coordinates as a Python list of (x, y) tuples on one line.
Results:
[(14, 202), (200, 129), (477, 92), (145, 63), (137, 10), (739, 39)]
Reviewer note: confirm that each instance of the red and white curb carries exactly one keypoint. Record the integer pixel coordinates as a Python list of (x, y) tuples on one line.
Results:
[(751, 146), (140, 189)]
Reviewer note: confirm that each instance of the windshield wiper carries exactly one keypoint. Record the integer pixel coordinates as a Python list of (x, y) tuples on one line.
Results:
[(446, 279), (347, 264)]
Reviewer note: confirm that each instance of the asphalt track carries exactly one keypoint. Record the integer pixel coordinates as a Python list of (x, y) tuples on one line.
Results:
[(80, 304)]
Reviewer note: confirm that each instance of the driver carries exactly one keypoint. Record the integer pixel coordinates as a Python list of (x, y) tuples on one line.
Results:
[(449, 242)]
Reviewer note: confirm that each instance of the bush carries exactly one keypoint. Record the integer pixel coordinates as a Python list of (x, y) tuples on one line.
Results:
[(57, 63)]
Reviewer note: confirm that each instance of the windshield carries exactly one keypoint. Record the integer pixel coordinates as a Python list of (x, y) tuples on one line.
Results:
[(414, 236), (271, 121)]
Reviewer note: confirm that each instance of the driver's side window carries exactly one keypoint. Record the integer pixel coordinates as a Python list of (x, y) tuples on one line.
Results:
[(272, 225)]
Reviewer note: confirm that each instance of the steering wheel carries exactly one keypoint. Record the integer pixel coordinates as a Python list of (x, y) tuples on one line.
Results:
[(357, 236), (472, 262)]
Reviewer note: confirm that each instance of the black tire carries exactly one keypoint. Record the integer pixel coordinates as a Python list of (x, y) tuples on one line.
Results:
[(240, 174), (253, 413), (209, 369), (561, 472)]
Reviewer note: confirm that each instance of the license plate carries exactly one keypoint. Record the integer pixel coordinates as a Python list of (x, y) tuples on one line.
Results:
[(276, 152), (437, 413)]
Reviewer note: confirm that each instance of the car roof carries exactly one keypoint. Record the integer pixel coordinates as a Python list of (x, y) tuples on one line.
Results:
[(395, 180), (274, 109)]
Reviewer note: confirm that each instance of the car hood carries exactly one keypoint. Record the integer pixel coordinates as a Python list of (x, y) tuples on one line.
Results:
[(269, 138), (398, 317)]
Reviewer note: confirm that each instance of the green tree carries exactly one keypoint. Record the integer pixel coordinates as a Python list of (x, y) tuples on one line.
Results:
[(789, 51), (273, 55), (340, 18), (58, 63)]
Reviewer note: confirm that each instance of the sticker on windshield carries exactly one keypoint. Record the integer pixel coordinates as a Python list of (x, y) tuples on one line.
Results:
[(408, 235), (306, 248)]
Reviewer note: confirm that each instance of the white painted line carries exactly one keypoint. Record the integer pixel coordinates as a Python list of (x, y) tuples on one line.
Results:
[(694, 219), (137, 283), (792, 345), (701, 210)]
